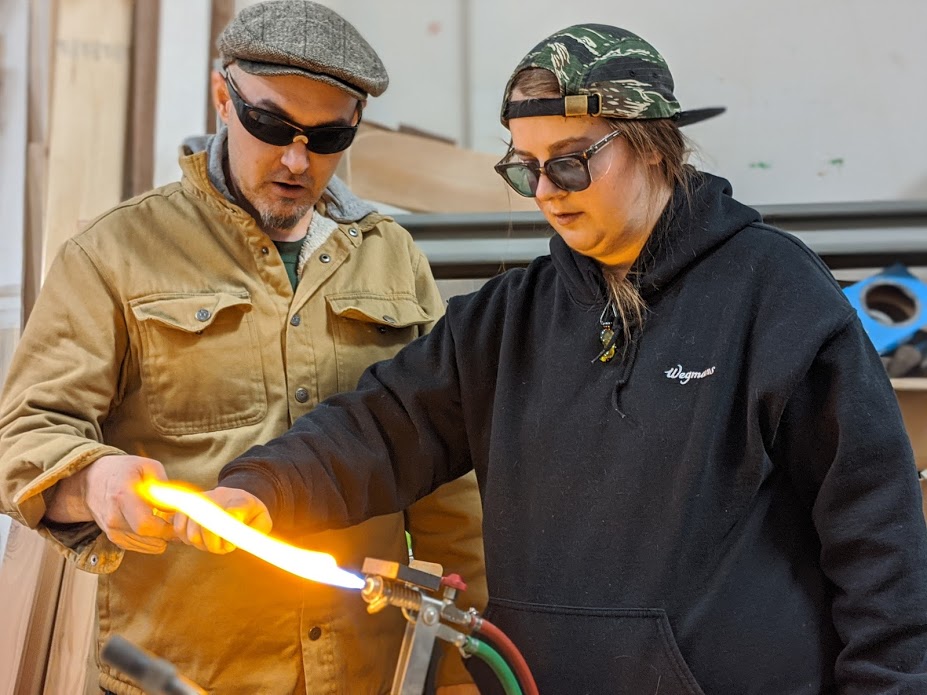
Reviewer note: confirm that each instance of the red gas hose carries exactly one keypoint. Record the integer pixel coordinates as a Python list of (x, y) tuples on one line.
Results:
[(510, 653)]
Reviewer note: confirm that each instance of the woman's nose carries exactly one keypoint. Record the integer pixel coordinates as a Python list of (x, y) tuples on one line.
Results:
[(547, 190)]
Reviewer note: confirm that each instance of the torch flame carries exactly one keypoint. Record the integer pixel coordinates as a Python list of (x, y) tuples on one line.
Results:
[(319, 567)]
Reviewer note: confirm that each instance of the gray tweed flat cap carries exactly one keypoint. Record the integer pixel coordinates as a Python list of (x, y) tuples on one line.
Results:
[(299, 37)]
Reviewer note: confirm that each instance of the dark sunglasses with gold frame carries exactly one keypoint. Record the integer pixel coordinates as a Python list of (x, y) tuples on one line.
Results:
[(275, 130)]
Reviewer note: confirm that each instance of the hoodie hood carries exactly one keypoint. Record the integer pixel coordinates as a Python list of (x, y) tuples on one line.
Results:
[(690, 227), (340, 203)]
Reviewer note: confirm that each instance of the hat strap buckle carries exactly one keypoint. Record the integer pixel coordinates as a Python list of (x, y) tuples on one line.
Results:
[(582, 105)]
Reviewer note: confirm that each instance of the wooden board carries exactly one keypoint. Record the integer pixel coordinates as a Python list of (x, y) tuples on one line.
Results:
[(912, 398), (88, 115), (70, 654), (37, 187), (30, 576), (222, 13), (14, 52), (139, 164), (86, 145), (29, 568), (423, 174), (42, 24), (41, 53)]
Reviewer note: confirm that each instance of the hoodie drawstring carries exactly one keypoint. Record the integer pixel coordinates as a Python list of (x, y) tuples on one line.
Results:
[(627, 363)]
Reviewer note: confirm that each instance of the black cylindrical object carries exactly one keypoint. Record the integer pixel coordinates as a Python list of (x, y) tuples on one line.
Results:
[(155, 676)]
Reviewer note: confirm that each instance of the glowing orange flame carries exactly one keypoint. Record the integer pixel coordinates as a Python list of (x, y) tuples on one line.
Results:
[(319, 567)]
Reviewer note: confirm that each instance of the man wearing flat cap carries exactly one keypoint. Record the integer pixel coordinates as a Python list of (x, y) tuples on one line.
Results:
[(199, 319)]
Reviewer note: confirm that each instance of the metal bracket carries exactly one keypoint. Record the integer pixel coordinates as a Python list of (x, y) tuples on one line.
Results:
[(394, 584), (417, 645)]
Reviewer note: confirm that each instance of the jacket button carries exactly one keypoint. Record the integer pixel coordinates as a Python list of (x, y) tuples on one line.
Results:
[(203, 315), (388, 319), (352, 231), (295, 320), (94, 560), (315, 633), (325, 258), (302, 395)]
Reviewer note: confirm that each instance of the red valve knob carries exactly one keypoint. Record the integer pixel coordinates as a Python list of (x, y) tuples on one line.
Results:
[(455, 581)]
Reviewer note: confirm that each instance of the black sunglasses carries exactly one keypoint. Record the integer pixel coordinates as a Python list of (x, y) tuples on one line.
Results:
[(270, 128), (569, 172)]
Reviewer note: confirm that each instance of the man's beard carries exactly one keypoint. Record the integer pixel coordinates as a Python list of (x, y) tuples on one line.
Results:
[(272, 221)]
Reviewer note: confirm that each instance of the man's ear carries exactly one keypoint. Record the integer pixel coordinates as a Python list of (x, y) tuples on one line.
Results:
[(359, 111), (220, 95)]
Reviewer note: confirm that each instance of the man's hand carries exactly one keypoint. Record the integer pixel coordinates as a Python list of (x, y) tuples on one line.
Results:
[(105, 492), (242, 505)]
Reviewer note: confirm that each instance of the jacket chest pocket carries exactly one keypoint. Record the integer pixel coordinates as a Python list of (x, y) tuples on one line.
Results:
[(368, 328), (200, 362)]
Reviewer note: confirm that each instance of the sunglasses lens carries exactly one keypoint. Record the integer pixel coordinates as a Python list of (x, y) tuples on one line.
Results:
[(522, 179), (266, 128), (568, 173), (275, 131), (325, 140), (328, 140)]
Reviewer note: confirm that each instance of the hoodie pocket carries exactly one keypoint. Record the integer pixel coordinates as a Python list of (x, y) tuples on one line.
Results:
[(370, 327), (200, 362), (629, 651)]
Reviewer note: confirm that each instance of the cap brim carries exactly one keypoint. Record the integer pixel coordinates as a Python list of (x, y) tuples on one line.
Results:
[(684, 118), (271, 69)]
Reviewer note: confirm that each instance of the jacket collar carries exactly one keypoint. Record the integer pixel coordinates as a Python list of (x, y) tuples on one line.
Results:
[(338, 202)]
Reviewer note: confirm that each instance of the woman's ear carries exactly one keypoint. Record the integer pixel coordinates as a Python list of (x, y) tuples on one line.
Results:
[(653, 159)]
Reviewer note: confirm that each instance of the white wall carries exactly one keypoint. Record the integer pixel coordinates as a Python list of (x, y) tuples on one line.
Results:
[(421, 44), (183, 72), (825, 97)]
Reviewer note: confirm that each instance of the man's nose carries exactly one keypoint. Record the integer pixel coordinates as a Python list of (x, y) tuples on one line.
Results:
[(296, 157)]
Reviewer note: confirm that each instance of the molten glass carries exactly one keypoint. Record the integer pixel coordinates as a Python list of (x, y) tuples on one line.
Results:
[(319, 567)]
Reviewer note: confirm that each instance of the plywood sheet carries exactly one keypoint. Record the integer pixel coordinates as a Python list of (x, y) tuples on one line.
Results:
[(423, 174), (30, 570), (30, 576), (86, 146), (139, 166), (69, 656), (88, 115)]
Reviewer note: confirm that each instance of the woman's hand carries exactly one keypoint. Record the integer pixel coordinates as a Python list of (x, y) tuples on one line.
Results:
[(242, 505)]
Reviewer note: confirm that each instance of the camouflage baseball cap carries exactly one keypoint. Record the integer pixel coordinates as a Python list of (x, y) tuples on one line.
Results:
[(300, 37), (602, 71)]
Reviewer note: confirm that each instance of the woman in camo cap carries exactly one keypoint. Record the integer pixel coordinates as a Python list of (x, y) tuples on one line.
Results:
[(695, 476)]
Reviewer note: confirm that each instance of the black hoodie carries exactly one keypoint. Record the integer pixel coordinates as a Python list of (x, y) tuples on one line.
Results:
[(730, 505)]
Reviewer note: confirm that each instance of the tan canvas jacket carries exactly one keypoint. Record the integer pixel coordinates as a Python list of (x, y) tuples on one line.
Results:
[(169, 329)]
